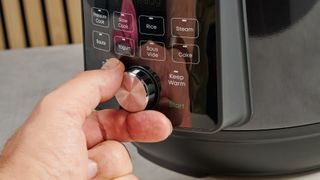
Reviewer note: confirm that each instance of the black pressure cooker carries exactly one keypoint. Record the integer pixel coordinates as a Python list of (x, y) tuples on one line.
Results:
[(239, 79)]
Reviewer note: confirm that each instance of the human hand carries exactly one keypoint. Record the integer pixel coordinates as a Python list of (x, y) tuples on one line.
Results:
[(65, 138)]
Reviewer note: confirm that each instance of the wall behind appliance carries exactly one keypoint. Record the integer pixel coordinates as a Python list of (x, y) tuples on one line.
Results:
[(37, 23)]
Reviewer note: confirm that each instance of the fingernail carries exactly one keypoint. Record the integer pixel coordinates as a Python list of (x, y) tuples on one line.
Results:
[(111, 64), (92, 169)]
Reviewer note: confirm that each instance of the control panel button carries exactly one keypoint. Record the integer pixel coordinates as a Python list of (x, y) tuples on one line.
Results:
[(186, 54), (100, 17), (101, 41), (185, 27), (124, 46), (123, 21), (151, 25), (140, 89), (176, 79), (151, 50)]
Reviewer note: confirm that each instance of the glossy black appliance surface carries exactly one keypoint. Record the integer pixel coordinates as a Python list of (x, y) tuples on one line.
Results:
[(177, 40), (255, 77)]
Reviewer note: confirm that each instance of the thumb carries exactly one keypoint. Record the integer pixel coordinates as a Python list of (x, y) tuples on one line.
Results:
[(80, 96)]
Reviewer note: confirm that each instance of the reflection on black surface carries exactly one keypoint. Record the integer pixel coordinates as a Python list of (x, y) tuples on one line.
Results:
[(192, 104), (183, 58), (195, 97), (271, 16), (204, 76)]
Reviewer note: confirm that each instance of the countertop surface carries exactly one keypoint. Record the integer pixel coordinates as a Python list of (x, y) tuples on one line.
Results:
[(27, 75)]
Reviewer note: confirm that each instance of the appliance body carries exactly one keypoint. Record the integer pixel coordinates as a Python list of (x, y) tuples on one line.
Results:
[(239, 79)]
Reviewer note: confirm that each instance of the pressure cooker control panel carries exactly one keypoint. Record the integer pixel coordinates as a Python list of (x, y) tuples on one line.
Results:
[(126, 39), (169, 50)]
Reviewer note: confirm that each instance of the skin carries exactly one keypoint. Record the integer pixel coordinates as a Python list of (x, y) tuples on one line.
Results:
[(65, 138)]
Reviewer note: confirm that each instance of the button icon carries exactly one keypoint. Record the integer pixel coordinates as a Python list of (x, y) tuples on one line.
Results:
[(152, 50), (151, 25), (186, 54), (176, 79), (185, 27), (123, 21), (124, 46), (100, 17), (174, 105), (101, 41)]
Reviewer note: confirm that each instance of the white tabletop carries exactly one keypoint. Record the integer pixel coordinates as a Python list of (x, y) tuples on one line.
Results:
[(27, 75)]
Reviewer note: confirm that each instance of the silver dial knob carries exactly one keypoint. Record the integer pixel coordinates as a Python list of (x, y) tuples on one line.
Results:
[(140, 89)]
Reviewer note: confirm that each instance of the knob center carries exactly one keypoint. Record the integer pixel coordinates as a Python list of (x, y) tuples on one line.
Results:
[(139, 89), (132, 95)]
